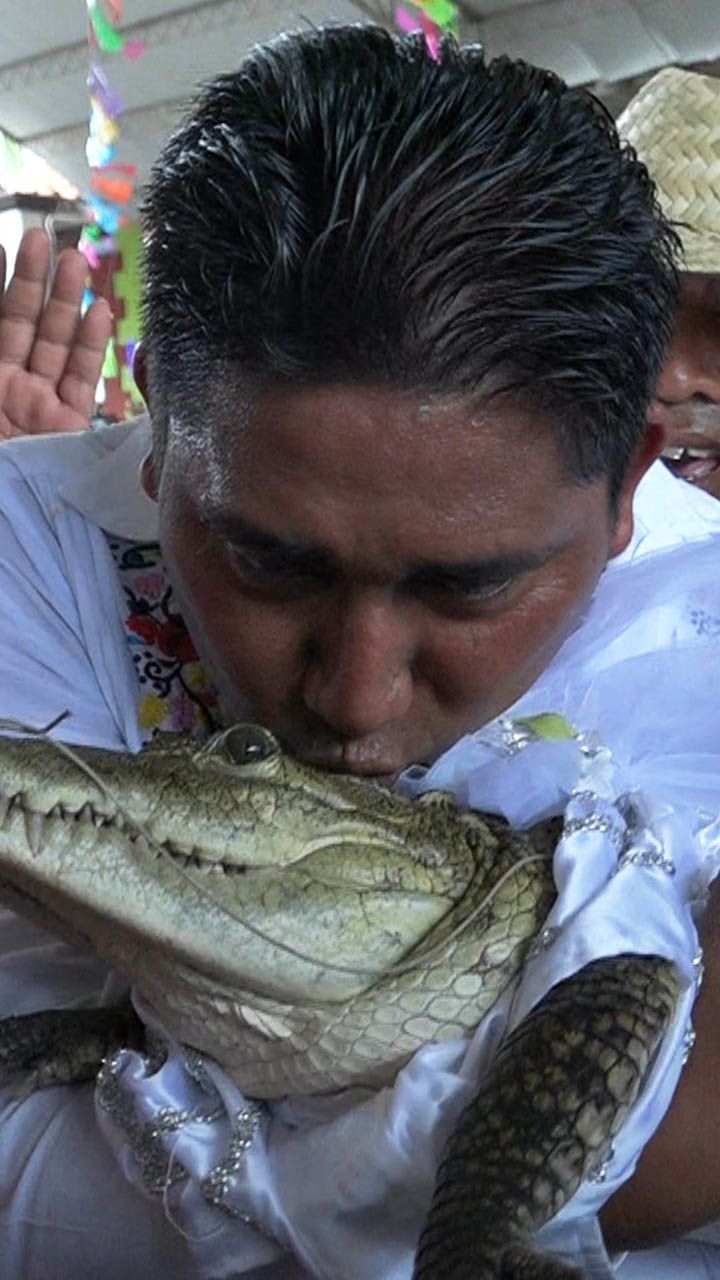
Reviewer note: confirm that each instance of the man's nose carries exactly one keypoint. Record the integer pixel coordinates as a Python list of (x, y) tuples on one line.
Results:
[(359, 674), (691, 369)]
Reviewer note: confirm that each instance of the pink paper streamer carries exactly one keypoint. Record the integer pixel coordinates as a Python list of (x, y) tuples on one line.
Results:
[(406, 21), (432, 40), (90, 254), (134, 49), (433, 35)]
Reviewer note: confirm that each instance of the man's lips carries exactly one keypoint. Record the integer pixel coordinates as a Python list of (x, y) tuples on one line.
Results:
[(385, 774)]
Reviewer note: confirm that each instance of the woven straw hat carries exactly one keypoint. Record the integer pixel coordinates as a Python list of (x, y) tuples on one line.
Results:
[(673, 123)]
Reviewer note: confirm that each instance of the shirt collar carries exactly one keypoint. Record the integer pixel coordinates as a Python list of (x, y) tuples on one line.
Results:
[(107, 490)]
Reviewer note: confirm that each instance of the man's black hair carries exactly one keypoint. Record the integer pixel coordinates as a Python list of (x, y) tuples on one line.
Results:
[(345, 209)]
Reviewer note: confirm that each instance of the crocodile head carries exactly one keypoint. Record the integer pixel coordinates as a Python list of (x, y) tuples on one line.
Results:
[(231, 855)]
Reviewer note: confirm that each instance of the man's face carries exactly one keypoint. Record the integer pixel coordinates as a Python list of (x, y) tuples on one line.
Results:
[(687, 404), (370, 573)]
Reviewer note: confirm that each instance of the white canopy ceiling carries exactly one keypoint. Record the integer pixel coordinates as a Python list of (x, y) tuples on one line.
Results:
[(44, 54)]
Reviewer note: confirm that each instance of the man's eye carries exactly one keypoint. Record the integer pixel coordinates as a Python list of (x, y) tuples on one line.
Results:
[(465, 591), (463, 600), (262, 571), (488, 590)]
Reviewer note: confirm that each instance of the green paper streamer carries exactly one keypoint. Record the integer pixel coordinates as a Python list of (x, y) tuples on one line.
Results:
[(111, 368), (443, 12), (108, 38)]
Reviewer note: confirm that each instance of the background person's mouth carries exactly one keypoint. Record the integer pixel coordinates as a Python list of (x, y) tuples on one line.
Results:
[(693, 465)]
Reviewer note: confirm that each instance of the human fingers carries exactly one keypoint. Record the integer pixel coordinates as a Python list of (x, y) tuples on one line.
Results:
[(85, 359), (59, 321), (24, 298), (31, 407)]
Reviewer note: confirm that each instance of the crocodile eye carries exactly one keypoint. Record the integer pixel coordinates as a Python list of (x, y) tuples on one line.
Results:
[(247, 743)]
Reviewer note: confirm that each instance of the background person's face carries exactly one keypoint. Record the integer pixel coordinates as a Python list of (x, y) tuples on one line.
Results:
[(687, 402), (371, 574)]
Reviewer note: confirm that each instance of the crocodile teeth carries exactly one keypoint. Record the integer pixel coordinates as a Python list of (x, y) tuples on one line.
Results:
[(85, 814), (5, 803), (34, 829)]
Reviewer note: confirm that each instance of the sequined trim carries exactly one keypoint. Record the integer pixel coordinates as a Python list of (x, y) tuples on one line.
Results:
[(588, 811), (158, 1172), (641, 848), (544, 941), (599, 1171), (698, 963), (507, 737), (217, 1184)]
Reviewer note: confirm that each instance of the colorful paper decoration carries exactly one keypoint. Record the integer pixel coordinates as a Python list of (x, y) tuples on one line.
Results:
[(100, 90), (113, 188), (107, 36), (435, 18), (110, 240), (112, 184), (104, 32)]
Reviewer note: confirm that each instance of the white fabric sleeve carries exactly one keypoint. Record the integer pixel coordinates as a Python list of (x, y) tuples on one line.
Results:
[(65, 1208), (62, 646)]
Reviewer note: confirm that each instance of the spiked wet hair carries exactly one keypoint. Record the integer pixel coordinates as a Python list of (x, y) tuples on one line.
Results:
[(344, 208)]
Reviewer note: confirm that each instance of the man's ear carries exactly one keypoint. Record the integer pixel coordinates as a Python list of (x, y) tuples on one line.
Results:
[(149, 471), (646, 453), (139, 370), (148, 477)]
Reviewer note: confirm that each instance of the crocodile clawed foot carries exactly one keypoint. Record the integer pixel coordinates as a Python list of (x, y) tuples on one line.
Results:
[(63, 1046)]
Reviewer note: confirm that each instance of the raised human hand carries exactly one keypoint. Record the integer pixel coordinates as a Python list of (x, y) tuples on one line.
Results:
[(50, 356)]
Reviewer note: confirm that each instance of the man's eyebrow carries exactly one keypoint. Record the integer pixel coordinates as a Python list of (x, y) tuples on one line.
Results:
[(469, 574), (242, 533), (463, 575)]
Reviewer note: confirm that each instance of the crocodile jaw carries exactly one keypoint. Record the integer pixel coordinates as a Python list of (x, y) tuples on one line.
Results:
[(310, 931)]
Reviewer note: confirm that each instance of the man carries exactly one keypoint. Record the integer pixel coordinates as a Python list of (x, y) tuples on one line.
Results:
[(404, 321), (673, 123)]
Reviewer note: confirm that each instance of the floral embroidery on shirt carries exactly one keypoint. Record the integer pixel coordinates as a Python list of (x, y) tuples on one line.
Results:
[(176, 695)]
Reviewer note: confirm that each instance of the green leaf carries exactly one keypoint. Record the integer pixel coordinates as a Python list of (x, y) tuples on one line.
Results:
[(548, 725)]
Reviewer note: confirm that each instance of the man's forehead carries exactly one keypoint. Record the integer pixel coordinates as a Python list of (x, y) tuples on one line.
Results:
[(231, 411), (384, 442)]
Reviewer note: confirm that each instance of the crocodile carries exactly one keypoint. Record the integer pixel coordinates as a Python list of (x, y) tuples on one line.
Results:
[(310, 932)]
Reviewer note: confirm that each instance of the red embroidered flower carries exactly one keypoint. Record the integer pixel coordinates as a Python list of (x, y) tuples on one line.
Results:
[(144, 626), (173, 640)]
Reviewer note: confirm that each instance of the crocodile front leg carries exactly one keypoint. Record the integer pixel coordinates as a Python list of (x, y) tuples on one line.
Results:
[(544, 1116), (64, 1046)]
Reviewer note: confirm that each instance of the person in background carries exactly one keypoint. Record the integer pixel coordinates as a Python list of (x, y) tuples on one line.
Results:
[(673, 122)]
